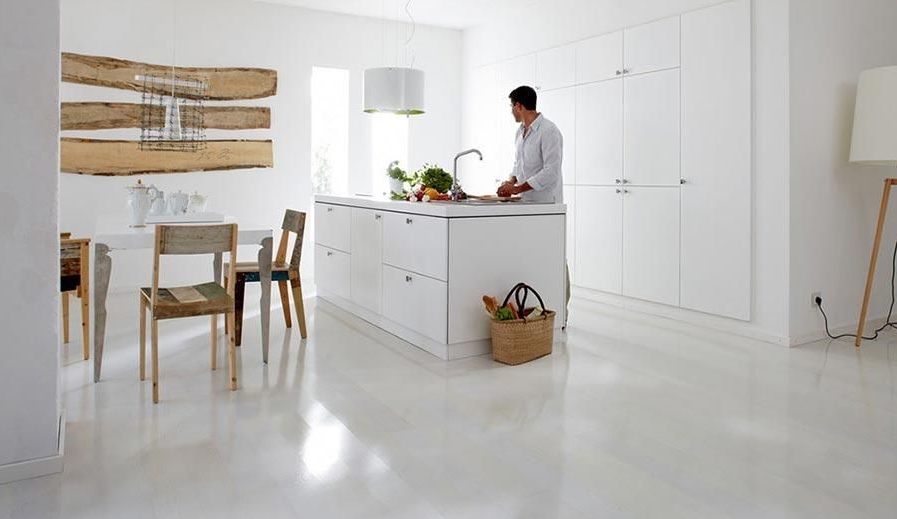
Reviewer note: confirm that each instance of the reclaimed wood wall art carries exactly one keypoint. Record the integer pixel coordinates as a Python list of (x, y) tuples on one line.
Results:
[(105, 157)]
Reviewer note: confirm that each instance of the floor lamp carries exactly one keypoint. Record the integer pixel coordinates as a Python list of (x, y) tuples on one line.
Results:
[(874, 143)]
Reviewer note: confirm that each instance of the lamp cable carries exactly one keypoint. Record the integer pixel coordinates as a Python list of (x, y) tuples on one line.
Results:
[(888, 322)]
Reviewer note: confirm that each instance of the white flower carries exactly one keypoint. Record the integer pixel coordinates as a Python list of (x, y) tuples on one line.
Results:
[(426, 198)]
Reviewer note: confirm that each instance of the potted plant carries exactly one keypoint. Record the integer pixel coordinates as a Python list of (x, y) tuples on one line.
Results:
[(397, 177)]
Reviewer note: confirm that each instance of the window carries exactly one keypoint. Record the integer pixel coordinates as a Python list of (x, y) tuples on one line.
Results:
[(330, 130), (389, 142)]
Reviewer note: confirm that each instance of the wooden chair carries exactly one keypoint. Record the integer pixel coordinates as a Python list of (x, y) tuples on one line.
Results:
[(189, 301), (281, 272), (74, 278)]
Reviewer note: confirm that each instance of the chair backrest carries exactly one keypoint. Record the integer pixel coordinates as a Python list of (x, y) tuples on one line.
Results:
[(293, 222), (73, 260), (195, 239)]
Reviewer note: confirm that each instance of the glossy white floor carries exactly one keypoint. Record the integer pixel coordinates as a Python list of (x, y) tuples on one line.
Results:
[(625, 420)]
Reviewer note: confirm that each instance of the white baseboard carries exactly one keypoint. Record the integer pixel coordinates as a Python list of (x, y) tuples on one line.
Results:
[(38, 467), (620, 305), (807, 338)]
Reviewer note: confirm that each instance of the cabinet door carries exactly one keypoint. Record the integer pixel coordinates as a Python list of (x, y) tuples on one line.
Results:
[(511, 74), (559, 106), (599, 58), (570, 201), (651, 119), (651, 47), (367, 258), (599, 133), (332, 226), (416, 243), (332, 271), (651, 244), (599, 238), (716, 160), (416, 302), (556, 68)]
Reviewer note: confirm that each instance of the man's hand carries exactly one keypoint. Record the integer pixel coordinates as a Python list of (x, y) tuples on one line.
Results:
[(506, 189)]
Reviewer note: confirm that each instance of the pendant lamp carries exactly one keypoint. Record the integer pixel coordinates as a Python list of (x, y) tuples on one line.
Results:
[(395, 90)]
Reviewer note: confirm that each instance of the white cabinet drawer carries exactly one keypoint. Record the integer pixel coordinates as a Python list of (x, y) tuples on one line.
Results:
[(556, 68), (416, 243), (332, 271), (599, 58), (332, 223), (416, 302), (651, 47)]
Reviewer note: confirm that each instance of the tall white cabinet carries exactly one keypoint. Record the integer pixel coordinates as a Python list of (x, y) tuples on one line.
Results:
[(657, 156)]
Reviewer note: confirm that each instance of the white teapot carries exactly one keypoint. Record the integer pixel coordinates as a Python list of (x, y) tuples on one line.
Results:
[(140, 198), (197, 203)]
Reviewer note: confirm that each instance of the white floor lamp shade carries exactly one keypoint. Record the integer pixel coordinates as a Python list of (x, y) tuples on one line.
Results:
[(397, 90), (875, 119)]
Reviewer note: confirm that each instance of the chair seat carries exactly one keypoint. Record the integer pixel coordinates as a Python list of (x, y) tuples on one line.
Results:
[(189, 301)]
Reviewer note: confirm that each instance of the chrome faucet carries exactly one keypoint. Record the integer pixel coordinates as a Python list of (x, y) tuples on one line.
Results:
[(455, 192)]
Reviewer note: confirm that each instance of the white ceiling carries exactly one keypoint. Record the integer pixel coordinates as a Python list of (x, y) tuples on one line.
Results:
[(456, 14)]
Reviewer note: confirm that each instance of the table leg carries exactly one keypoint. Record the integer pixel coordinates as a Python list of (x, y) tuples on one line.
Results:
[(265, 281), (102, 270)]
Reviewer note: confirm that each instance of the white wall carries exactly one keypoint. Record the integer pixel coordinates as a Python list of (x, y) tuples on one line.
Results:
[(543, 26), (29, 275), (834, 204), (243, 33)]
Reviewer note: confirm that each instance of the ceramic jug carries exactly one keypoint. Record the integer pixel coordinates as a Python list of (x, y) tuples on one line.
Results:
[(177, 203), (139, 202), (197, 203), (157, 202)]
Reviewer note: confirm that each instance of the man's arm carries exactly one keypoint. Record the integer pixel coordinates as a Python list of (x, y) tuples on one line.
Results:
[(550, 174)]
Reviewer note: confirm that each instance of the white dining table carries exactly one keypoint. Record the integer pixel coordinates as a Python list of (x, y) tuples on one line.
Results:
[(115, 234)]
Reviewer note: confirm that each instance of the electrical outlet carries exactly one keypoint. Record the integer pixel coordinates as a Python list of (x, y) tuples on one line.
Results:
[(813, 297)]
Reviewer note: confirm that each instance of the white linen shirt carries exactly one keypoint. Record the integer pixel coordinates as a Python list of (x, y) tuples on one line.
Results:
[(538, 161)]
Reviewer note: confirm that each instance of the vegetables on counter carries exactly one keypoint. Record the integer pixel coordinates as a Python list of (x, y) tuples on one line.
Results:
[(428, 183)]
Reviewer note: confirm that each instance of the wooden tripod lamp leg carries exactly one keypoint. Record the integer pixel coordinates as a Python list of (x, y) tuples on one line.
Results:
[(876, 245)]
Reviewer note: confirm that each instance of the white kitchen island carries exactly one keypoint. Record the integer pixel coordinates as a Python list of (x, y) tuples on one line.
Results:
[(419, 270)]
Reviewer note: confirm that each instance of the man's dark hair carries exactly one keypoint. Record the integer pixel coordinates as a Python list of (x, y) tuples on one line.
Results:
[(524, 95)]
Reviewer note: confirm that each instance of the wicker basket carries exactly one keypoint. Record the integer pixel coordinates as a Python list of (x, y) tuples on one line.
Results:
[(522, 340)]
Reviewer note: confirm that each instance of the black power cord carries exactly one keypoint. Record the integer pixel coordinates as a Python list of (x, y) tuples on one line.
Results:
[(888, 322)]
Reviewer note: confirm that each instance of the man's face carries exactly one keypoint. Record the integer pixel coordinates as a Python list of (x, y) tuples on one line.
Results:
[(517, 111)]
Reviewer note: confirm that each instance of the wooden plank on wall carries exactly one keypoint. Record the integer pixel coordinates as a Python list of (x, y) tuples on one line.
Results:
[(122, 158), (105, 116), (224, 83)]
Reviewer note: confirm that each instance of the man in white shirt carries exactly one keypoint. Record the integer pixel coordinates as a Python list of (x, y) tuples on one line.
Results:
[(539, 153), (537, 173)]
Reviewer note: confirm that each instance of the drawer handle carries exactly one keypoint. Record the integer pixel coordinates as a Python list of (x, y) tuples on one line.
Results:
[(409, 221), (329, 253), (408, 279), (329, 209), (377, 217)]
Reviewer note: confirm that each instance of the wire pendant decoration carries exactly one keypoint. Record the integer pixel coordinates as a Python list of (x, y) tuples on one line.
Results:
[(172, 113)]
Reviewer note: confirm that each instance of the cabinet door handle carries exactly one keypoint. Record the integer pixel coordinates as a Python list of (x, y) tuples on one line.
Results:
[(377, 217), (618, 181), (408, 279), (625, 181), (626, 71), (619, 191), (329, 209), (409, 221), (329, 254), (682, 181), (625, 191), (619, 72)]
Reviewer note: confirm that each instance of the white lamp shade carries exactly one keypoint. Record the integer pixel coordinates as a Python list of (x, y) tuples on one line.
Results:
[(394, 90), (875, 119)]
